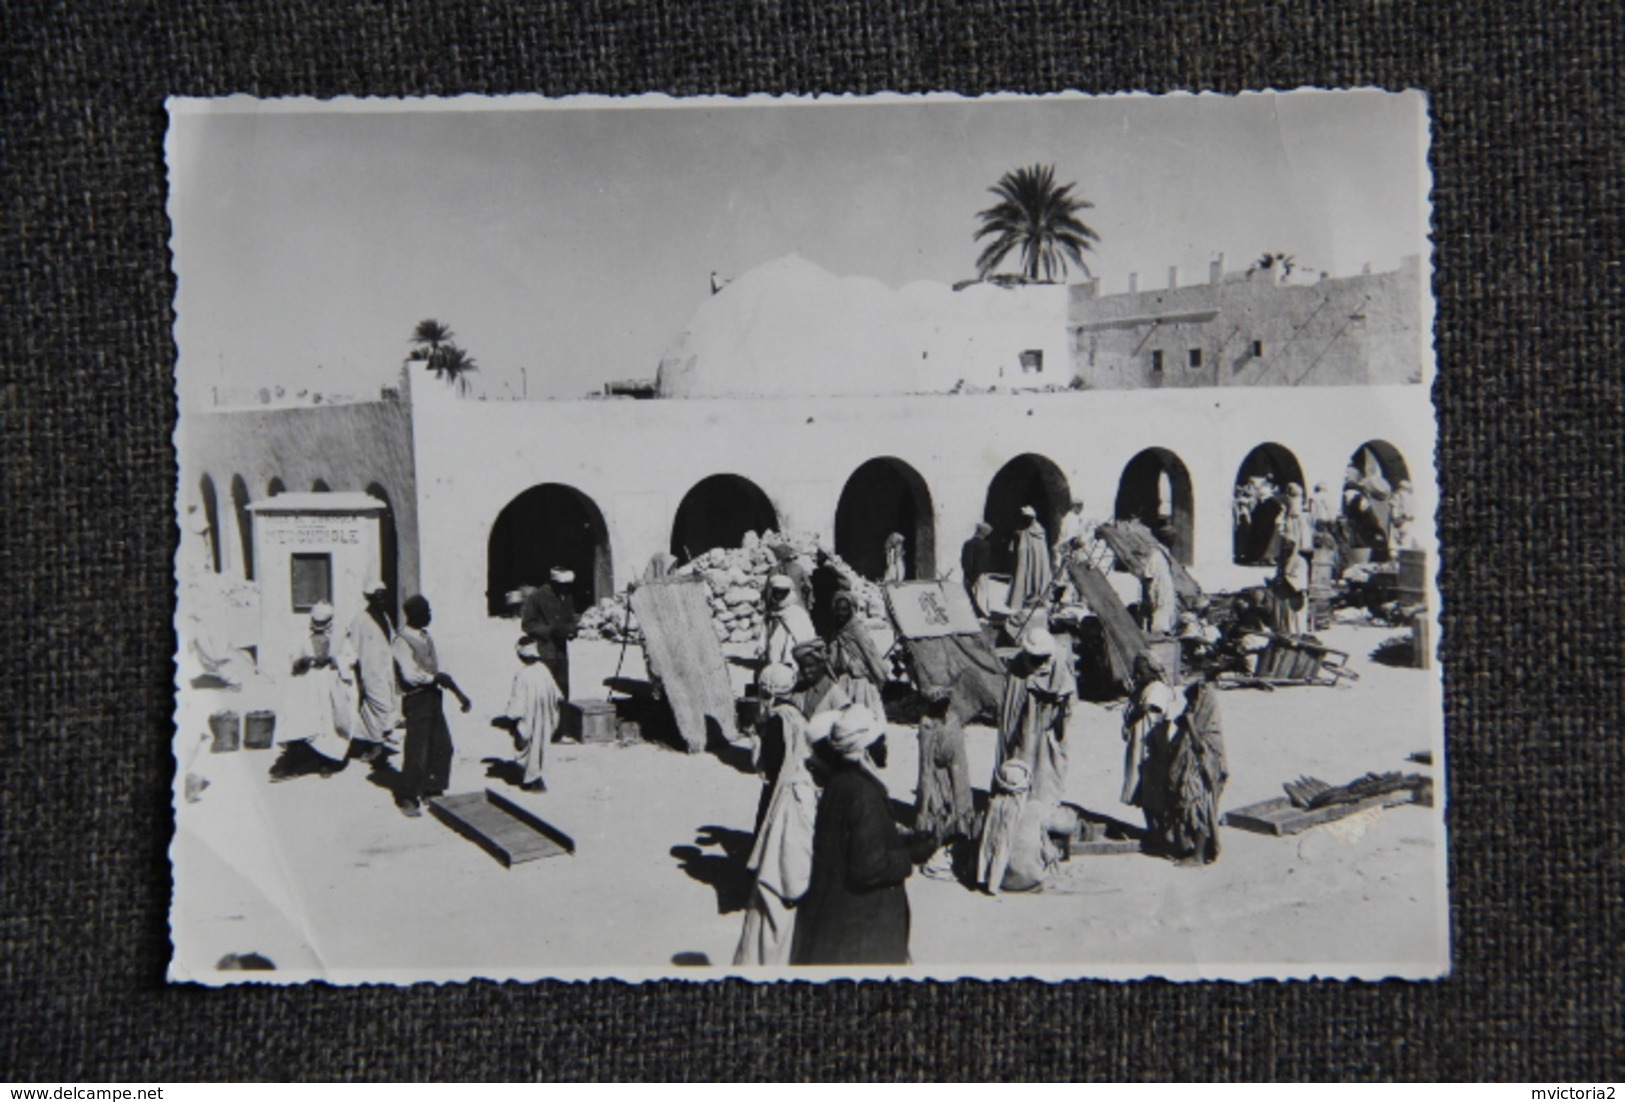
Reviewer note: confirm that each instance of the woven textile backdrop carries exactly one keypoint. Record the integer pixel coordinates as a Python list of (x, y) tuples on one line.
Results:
[(1527, 163)]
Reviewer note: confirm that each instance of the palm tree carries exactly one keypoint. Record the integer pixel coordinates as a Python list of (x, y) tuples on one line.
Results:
[(1038, 218), (433, 348), (427, 337), (453, 364)]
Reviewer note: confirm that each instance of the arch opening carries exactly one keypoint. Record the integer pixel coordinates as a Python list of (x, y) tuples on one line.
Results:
[(717, 512), (1028, 479), (882, 497), (320, 486), (1259, 501), (1155, 490), (1376, 506), (274, 487), (549, 525), (211, 518), (245, 524)]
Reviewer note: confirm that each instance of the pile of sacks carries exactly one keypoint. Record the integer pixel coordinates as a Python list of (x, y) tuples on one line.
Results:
[(735, 578)]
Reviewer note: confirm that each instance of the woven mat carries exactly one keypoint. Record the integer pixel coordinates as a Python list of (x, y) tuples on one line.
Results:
[(1526, 101)]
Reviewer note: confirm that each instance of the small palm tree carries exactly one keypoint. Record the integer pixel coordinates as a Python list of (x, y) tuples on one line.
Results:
[(433, 348), (428, 337), (451, 363), (1039, 219)]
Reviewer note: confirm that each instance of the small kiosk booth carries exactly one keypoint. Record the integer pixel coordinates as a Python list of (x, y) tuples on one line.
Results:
[(312, 547)]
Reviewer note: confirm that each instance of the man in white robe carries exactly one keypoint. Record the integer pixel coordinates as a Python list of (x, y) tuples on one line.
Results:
[(532, 712), (369, 645)]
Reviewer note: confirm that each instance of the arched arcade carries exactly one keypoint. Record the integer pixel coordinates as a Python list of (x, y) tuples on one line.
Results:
[(883, 496), (1155, 490), (1261, 480), (1027, 479), (717, 512), (549, 525)]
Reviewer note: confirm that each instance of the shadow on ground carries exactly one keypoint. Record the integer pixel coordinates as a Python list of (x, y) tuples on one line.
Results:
[(1398, 652), (724, 871)]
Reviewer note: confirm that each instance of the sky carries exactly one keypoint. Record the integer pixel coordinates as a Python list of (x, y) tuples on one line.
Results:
[(568, 242)]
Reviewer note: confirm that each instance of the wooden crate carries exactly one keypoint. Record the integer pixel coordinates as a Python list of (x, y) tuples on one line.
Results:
[(1279, 817), (1092, 839), (501, 827), (589, 721)]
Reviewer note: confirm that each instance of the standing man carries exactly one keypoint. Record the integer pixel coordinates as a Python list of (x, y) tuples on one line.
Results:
[(317, 707), (1030, 580), (372, 664), (1073, 532), (781, 857), (426, 758), (549, 617), (943, 807), (856, 907), (854, 659), (532, 714), (1159, 603), (976, 559), (1032, 722), (788, 624), (788, 563), (896, 554)]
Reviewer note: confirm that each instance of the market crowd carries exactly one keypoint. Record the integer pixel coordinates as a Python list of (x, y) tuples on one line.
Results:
[(828, 861), (376, 693)]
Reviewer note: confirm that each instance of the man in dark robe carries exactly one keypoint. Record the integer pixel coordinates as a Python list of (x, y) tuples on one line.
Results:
[(1183, 778), (854, 659), (549, 617), (943, 807), (1032, 721), (825, 582), (976, 559), (1031, 575), (427, 752), (856, 907)]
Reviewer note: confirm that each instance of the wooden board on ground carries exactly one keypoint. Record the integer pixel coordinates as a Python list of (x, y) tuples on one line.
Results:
[(1095, 838), (1279, 817), (501, 827), (682, 649), (930, 610)]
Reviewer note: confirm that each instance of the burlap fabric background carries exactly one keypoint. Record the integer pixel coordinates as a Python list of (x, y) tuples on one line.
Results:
[(1527, 161)]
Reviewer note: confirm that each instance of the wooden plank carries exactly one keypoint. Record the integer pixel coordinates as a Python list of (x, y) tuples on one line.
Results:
[(1124, 640), (535, 822), (930, 610), (1103, 847), (1279, 817), (500, 827), (683, 647)]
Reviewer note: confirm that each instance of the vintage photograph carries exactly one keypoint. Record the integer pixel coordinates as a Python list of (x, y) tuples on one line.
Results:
[(806, 538)]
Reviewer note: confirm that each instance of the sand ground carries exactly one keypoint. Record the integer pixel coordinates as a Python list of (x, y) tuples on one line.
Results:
[(325, 878)]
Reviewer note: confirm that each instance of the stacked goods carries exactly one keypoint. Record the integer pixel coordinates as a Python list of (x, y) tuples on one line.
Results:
[(735, 578)]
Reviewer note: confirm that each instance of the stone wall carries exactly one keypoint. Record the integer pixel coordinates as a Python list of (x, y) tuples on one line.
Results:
[(1249, 329), (357, 447), (637, 459)]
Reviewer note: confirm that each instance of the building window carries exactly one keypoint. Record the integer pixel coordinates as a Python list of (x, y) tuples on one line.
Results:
[(1156, 361), (1196, 358), (312, 580), (1258, 349), (1032, 361)]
